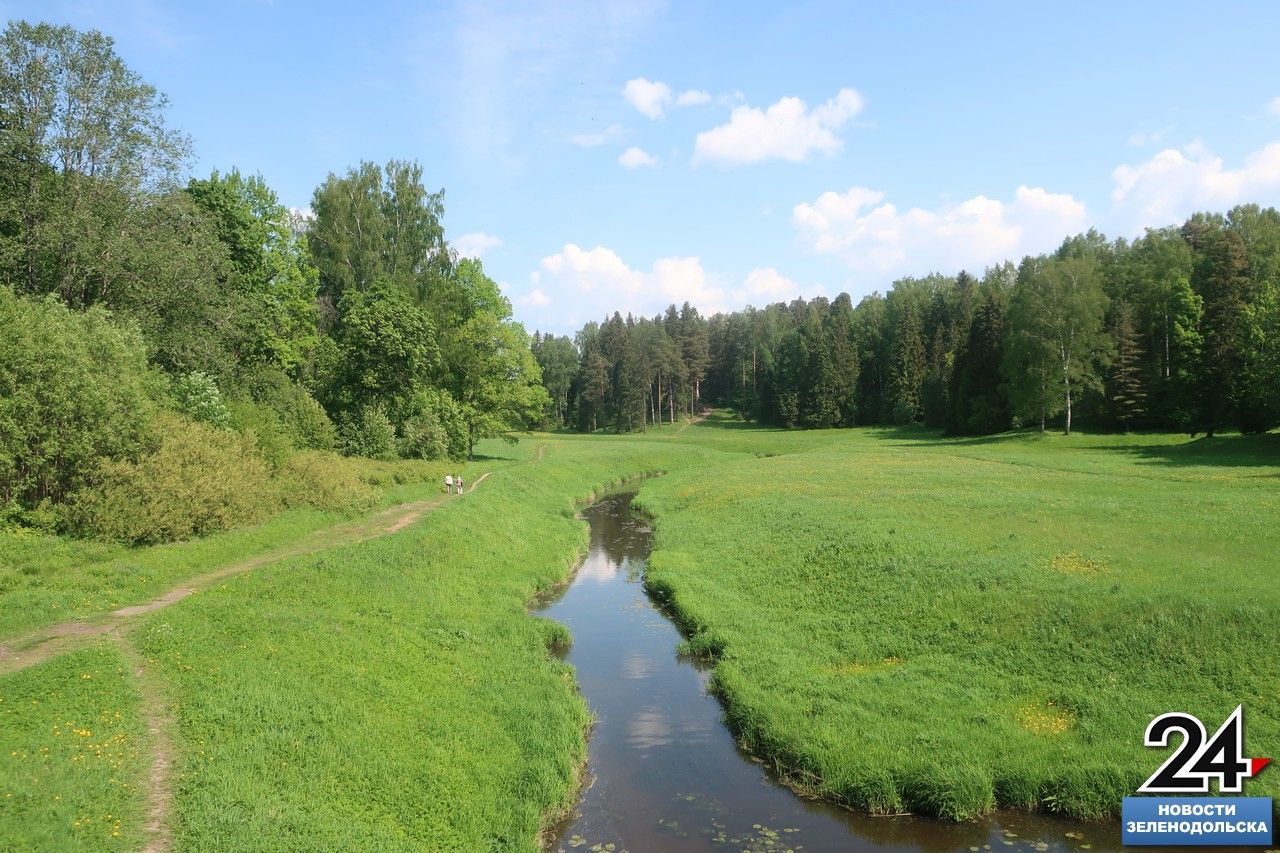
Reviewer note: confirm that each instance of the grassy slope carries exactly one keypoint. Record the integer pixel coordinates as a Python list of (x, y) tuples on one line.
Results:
[(941, 625), (45, 580), (395, 694)]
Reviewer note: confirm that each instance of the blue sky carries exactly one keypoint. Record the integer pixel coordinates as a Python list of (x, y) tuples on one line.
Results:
[(600, 156)]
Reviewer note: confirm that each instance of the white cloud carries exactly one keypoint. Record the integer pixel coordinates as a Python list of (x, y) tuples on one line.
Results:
[(766, 286), (1176, 183), (876, 238), (590, 284), (649, 97), (612, 133), (787, 130), (597, 282), (693, 98), (1273, 106), (634, 158), (475, 244)]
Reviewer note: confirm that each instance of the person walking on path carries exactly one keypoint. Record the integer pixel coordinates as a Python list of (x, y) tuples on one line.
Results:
[(448, 483), (458, 480)]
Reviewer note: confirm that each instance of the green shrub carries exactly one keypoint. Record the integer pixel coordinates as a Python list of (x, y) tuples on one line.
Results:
[(309, 426), (370, 433), (434, 428), (196, 395), (197, 480), (325, 480), (75, 390), (303, 419), (274, 441)]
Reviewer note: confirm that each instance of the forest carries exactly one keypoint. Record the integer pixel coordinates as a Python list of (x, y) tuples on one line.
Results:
[(194, 353), (1176, 330)]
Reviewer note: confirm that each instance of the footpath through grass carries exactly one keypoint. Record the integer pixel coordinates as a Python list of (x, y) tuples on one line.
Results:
[(46, 580), (906, 623)]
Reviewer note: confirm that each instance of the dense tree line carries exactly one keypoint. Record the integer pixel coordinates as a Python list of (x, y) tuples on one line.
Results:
[(1179, 329), (625, 374), (138, 304)]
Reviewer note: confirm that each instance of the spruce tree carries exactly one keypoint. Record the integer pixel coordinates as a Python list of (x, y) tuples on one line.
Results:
[(1128, 394)]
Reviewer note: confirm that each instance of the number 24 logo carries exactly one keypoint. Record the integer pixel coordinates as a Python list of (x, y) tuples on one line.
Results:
[(1196, 761)]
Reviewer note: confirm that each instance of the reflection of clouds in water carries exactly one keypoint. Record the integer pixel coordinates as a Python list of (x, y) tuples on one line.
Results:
[(698, 728), (598, 567), (647, 728), (637, 665)]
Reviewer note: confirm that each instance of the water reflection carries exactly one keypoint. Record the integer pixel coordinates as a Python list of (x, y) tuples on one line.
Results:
[(666, 775)]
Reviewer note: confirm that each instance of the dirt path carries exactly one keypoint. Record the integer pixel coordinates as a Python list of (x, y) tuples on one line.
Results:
[(45, 643), (694, 420), (157, 716)]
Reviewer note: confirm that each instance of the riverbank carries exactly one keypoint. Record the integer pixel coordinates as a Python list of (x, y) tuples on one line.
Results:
[(390, 694)]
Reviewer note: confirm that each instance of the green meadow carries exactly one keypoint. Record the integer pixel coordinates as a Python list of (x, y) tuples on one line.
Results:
[(903, 623), (899, 623)]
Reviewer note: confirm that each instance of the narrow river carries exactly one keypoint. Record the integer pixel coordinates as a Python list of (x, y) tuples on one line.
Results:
[(664, 774)]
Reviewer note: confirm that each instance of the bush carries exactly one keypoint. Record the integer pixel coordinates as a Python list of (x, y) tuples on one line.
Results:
[(327, 481), (303, 420), (196, 395), (308, 424), (75, 390), (434, 428), (274, 441), (197, 480), (370, 433)]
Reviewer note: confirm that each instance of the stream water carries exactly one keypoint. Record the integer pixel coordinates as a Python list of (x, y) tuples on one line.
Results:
[(665, 774)]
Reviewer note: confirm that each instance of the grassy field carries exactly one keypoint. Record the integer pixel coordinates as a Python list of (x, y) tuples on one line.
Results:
[(75, 755), (900, 623), (907, 623)]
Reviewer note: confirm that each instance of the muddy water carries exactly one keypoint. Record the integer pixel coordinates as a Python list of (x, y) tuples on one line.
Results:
[(664, 774)]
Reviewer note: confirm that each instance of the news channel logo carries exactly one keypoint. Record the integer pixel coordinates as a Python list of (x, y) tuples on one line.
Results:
[(1199, 761)]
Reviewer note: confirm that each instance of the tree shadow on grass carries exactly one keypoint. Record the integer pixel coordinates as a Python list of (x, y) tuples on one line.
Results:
[(1233, 451), (917, 435), (1227, 451), (720, 419)]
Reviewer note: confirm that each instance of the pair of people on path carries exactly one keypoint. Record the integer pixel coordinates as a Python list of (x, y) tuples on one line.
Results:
[(450, 481)]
